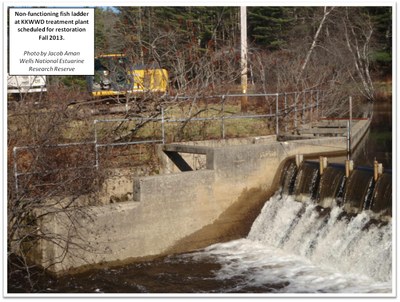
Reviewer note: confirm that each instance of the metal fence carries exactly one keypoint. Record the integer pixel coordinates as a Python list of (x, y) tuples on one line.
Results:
[(289, 110)]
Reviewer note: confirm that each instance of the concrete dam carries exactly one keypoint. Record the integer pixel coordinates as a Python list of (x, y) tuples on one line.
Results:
[(207, 192), (361, 190)]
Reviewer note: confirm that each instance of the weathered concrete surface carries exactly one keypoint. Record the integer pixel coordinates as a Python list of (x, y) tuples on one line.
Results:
[(198, 159), (179, 212)]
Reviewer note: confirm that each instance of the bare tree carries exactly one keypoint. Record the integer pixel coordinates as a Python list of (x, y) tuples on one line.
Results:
[(47, 175), (314, 42), (358, 39)]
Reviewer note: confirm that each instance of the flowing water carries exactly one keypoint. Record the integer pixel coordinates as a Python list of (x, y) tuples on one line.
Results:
[(294, 246)]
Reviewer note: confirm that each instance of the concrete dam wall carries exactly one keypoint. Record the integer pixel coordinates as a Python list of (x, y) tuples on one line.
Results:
[(182, 211)]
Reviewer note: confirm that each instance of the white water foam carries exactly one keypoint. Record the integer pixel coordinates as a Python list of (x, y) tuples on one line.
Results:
[(291, 250)]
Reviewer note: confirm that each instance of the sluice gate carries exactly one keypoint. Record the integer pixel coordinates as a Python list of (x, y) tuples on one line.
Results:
[(356, 189)]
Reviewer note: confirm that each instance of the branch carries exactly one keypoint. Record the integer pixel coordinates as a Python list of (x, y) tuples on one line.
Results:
[(314, 43)]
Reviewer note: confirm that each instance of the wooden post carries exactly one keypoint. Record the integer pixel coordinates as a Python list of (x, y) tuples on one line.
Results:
[(378, 170), (349, 166), (323, 164), (299, 159)]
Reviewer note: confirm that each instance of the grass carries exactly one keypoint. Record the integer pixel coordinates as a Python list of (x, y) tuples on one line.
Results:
[(176, 126), (72, 128), (107, 132)]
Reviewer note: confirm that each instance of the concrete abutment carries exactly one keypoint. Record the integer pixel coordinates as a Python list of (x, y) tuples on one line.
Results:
[(176, 211)]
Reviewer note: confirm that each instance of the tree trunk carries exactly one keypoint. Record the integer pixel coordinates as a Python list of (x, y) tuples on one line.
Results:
[(314, 43)]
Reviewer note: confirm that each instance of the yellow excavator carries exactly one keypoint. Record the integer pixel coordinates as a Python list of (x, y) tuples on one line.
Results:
[(115, 75)]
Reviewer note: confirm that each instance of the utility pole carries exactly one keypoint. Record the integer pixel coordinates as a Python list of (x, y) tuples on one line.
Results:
[(243, 55)]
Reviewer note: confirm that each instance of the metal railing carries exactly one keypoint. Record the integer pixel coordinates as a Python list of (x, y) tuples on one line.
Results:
[(288, 107)]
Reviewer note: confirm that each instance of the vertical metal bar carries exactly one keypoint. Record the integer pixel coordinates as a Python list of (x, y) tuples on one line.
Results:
[(285, 112), (303, 103), (276, 115), (270, 108), (96, 146), (350, 110), (295, 110), (311, 106), (162, 125), (348, 141), (350, 123), (15, 171), (222, 118)]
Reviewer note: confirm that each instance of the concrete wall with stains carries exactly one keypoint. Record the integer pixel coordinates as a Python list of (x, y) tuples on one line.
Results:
[(181, 211)]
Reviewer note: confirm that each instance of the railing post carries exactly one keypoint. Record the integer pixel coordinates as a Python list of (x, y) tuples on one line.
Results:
[(96, 145), (222, 118), (349, 128), (311, 106), (15, 170), (350, 111), (295, 110), (303, 108), (348, 141), (285, 112), (162, 125), (276, 114)]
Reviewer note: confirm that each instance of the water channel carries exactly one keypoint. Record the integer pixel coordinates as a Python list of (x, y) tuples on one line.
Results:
[(284, 252)]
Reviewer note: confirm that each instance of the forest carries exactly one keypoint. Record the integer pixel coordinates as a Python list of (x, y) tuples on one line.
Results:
[(289, 48)]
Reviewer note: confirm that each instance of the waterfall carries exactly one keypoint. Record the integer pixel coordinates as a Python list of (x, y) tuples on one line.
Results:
[(382, 195), (353, 245), (327, 234), (307, 181), (332, 186), (317, 234), (358, 192)]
